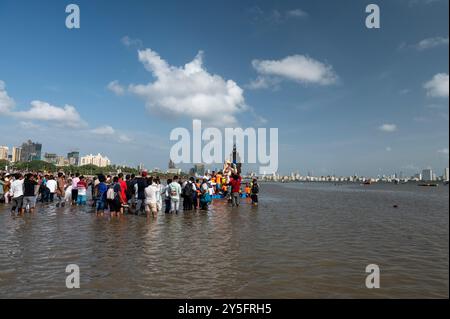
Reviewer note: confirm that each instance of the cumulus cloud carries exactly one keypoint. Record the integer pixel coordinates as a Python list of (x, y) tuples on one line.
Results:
[(103, 130), (189, 90), (299, 68), (438, 85), (430, 43), (6, 102), (43, 111), (388, 128), (115, 87)]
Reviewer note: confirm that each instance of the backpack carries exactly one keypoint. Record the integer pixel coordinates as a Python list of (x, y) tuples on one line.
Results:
[(110, 193), (188, 190)]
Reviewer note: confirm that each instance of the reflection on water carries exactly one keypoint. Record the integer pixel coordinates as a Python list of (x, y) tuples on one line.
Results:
[(303, 241)]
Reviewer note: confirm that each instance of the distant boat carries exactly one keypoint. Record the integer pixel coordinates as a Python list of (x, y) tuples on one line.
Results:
[(428, 184)]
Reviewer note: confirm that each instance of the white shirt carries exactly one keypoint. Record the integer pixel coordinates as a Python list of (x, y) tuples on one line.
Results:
[(176, 188), (150, 194), (17, 188), (51, 185)]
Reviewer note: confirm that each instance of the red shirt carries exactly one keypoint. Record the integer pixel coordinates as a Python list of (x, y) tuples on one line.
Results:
[(123, 189), (235, 185)]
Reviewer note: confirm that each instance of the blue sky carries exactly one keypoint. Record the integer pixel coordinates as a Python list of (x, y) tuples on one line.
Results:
[(346, 99)]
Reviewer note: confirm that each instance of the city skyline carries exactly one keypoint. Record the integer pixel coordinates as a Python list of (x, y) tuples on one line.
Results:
[(341, 95), (74, 158)]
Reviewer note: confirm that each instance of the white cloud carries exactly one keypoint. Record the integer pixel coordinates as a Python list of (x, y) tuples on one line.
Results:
[(297, 68), (61, 116), (297, 13), (130, 42), (115, 87), (124, 138), (444, 151), (189, 90), (430, 43), (438, 85), (6, 102), (388, 128), (103, 130)]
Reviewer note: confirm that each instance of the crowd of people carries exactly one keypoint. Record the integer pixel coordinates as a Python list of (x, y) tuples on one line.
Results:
[(121, 194)]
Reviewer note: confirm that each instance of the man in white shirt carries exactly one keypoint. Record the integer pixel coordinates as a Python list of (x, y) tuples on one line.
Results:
[(175, 192), (150, 198), (52, 185), (17, 194)]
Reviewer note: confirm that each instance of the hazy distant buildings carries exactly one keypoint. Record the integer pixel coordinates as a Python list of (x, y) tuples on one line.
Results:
[(427, 175), (73, 158), (30, 151), (15, 154), (4, 151), (446, 174), (97, 160), (199, 169)]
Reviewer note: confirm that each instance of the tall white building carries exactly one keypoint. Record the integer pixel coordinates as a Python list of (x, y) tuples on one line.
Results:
[(427, 174), (446, 174), (4, 150), (97, 160), (16, 153)]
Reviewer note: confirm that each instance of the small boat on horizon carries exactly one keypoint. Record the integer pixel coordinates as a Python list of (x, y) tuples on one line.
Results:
[(428, 184)]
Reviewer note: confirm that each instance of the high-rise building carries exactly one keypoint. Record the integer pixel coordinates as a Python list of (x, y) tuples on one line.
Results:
[(4, 150), (50, 158), (446, 174), (15, 156), (30, 151), (171, 164), (97, 160), (74, 158), (427, 174)]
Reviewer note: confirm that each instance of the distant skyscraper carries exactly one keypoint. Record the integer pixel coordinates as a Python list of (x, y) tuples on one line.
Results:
[(171, 164), (74, 158), (427, 175), (446, 174), (4, 150), (30, 151), (16, 153)]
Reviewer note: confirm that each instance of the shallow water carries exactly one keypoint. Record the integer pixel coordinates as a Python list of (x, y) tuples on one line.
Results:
[(303, 241)]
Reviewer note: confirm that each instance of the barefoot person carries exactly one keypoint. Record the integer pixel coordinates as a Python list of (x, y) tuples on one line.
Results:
[(175, 192), (17, 194), (150, 198)]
